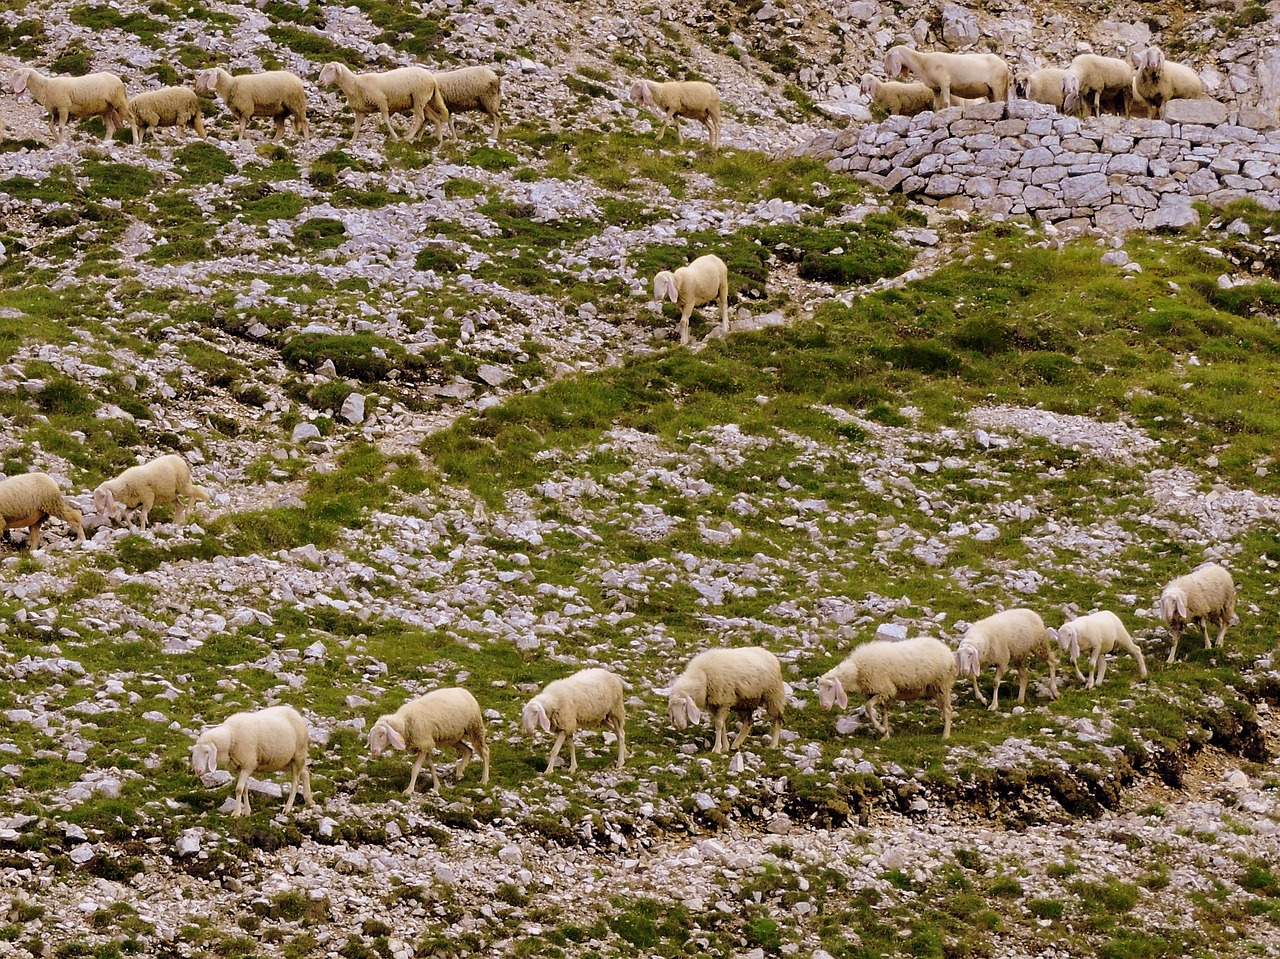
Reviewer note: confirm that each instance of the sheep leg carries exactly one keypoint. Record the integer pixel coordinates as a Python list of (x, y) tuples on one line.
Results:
[(724, 309), (244, 125), (742, 730), (1099, 670), (295, 776), (63, 115), (484, 758), (573, 754), (242, 794), (464, 757), (978, 692), (942, 99), (555, 751), (1222, 629), (620, 730), (198, 122), (777, 732), (685, 313), (431, 765), (419, 121), (279, 130), (1173, 649), (1023, 675), (876, 724), (722, 740), (1204, 627), (306, 785), (33, 533), (944, 703), (1053, 676), (995, 690), (1075, 664), (386, 122), (417, 768), (355, 127)]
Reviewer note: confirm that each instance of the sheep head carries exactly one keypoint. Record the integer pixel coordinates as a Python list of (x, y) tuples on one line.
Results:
[(894, 63), (1173, 605), (1070, 92), (640, 93), (534, 715), (682, 711), (104, 503), (665, 287), (869, 85), (329, 74), (204, 758), (1069, 640), (383, 734), (19, 81), (831, 693), (968, 662)]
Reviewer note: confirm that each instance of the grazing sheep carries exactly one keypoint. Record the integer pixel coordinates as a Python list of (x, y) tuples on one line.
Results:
[(691, 99), (1096, 635), (407, 90), (897, 99), (1042, 86), (703, 280), (882, 670), (445, 717), (952, 74), (98, 94), (472, 90), (589, 698), (265, 741), (163, 480), (1208, 594), (1158, 80), (166, 107), (721, 680), (1093, 77), (277, 94), (1011, 638), (27, 500)]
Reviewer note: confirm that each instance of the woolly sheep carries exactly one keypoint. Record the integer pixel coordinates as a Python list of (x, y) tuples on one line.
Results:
[(703, 280), (884, 670), (27, 500), (407, 90), (1011, 638), (589, 698), (1158, 80), (952, 74), (97, 94), (166, 107), (163, 480), (692, 99), (1092, 77), (897, 99), (721, 680), (1042, 86), (1096, 635), (266, 741), (444, 717), (1208, 594), (472, 90), (277, 94)]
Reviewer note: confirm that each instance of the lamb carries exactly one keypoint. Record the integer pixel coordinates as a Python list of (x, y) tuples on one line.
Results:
[(277, 94), (166, 107), (1096, 635), (1208, 594), (163, 480), (27, 500), (897, 99), (1092, 76), (952, 74), (97, 94), (588, 698), (1011, 638), (266, 741), (1042, 86), (692, 99), (1158, 80), (407, 90), (472, 89), (882, 670), (703, 280), (444, 717), (721, 680)]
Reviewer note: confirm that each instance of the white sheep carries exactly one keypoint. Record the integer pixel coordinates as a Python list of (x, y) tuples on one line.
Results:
[(721, 680), (1158, 80), (1090, 78), (28, 499), (897, 99), (406, 90), (703, 280), (266, 741), (883, 670), (166, 479), (1207, 594), (166, 107), (692, 99), (472, 90), (969, 75), (278, 94), (1042, 86), (1096, 635), (590, 698), (97, 94), (1011, 638), (444, 717)]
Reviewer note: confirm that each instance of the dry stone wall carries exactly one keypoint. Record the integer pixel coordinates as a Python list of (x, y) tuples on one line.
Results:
[(1112, 173)]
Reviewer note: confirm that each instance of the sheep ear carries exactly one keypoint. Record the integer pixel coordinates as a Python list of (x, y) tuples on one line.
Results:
[(1075, 645), (544, 720), (673, 294), (842, 698), (1180, 604), (397, 740), (695, 714)]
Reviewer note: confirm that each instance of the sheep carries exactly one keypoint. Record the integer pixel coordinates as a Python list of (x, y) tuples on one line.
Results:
[(883, 670), (589, 698), (1042, 86), (472, 89), (897, 99), (1208, 594), (166, 107), (97, 94), (952, 74), (407, 90), (163, 480), (266, 741), (1093, 76), (1158, 80), (721, 680), (27, 500), (1011, 638), (277, 94), (703, 280), (692, 99), (444, 717), (1096, 635)]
